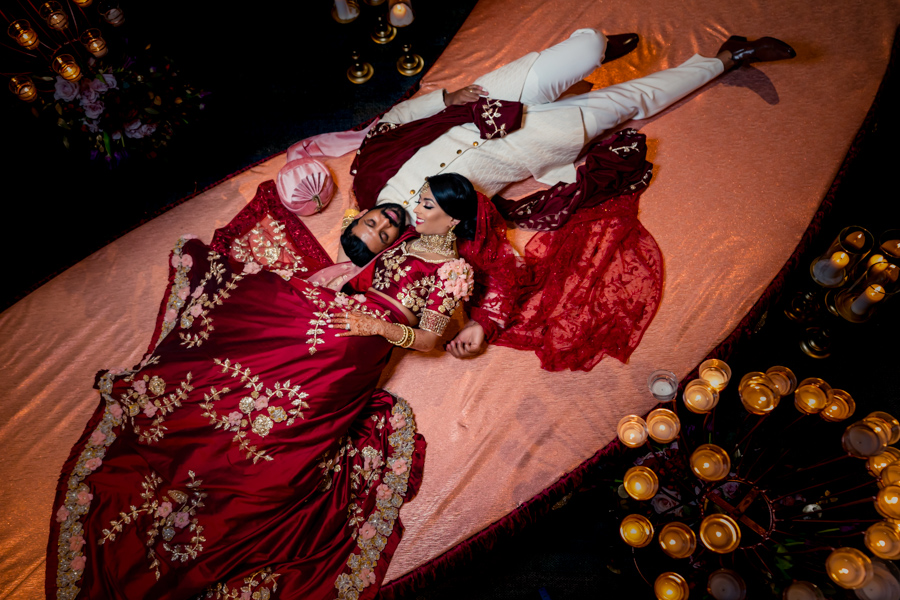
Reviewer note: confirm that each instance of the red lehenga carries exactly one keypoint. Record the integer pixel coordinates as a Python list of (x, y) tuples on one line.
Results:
[(249, 453)]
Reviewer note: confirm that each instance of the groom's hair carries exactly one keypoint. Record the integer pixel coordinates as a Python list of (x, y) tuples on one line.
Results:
[(355, 249)]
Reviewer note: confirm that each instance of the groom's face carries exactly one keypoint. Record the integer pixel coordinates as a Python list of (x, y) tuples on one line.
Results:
[(380, 227)]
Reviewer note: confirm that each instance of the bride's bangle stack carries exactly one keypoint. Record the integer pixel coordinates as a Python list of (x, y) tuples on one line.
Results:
[(409, 337)]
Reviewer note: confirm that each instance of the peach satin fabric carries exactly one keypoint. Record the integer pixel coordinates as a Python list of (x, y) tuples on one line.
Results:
[(740, 169)]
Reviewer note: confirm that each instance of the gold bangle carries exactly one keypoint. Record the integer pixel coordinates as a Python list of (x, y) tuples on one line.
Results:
[(412, 337), (406, 332)]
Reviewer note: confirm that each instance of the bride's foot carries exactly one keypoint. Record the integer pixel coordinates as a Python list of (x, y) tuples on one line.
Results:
[(737, 51), (619, 45)]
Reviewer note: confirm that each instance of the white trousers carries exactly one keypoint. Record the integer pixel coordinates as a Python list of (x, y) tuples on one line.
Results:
[(558, 68)]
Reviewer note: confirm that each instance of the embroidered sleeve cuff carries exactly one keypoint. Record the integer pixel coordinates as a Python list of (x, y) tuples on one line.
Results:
[(434, 322)]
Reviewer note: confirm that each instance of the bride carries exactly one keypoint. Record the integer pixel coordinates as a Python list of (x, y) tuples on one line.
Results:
[(249, 452)]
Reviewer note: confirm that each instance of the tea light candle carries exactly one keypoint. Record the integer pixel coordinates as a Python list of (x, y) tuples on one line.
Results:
[(891, 424), (663, 385), (855, 241), (725, 584), (887, 502), (884, 584), (802, 590), (869, 298), (400, 15), (83, 3), (840, 406), (890, 475), (641, 483), (891, 247), (784, 379), (115, 16), (811, 395), (720, 533), (670, 586), (849, 568), (677, 540), (24, 35), (66, 67), (23, 87), (877, 463), (758, 393), (632, 431), (94, 42), (710, 462), (663, 425), (863, 439), (831, 271), (883, 540), (53, 13), (700, 397), (345, 11), (716, 373), (636, 530)]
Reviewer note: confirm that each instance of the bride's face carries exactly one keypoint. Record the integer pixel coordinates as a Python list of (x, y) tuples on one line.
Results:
[(430, 217)]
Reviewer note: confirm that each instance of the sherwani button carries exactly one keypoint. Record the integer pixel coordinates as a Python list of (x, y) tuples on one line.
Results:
[(443, 165), (474, 143), (412, 191), (459, 151)]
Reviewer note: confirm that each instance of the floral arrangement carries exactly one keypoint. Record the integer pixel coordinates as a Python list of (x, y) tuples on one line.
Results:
[(458, 278), (113, 113)]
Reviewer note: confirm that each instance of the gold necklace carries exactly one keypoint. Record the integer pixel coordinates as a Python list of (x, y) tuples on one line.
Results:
[(436, 244)]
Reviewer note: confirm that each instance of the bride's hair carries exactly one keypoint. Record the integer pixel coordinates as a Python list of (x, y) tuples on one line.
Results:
[(456, 197)]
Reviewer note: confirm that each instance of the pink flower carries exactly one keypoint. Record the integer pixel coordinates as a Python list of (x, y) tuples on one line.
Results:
[(184, 292), (361, 298), (398, 421), (367, 576), (176, 261), (252, 268), (284, 273), (116, 410), (150, 409), (187, 261), (93, 110), (189, 236), (196, 310), (234, 418), (147, 129), (78, 563), (88, 94), (367, 531), (342, 300), (93, 463), (458, 278), (666, 501), (133, 129), (98, 438), (246, 595), (140, 386), (384, 492), (84, 497), (75, 543), (91, 125), (182, 519), (198, 292), (62, 514), (370, 463), (164, 510), (98, 85), (65, 90), (399, 467), (261, 403), (171, 315)]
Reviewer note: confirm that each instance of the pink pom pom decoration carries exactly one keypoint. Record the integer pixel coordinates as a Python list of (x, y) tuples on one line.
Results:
[(305, 186)]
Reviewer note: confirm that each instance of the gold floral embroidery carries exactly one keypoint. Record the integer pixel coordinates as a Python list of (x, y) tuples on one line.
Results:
[(433, 321), (392, 270), (180, 283), (414, 294), (146, 395), (331, 466), (267, 244), (342, 302), (260, 585), (258, 400), (373, 535), (492, 111), (167, 519), (200, 307)]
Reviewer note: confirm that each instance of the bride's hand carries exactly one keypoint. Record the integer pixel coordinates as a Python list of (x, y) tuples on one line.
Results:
[(356, 324)]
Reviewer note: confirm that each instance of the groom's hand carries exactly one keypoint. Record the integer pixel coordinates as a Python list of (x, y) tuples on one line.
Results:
[(470, 93), (468, 342)]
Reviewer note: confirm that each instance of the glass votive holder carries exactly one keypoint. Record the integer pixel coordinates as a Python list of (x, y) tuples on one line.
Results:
[(700, 397), (849, 568), (641, 483), (636, 531), (883, 540), (875, 464), (812, 395), (632, 431), (663, 425), (720, 533), (889, 475), (840, 406), (93, 41), (887, 502), (663, 385), (111, 12), (758, 393), (715, 372), (53, 13), (670, 586), (865, 438), (21, 31), (860, 301), (802, 590), (726, 584), (65, 66), (892, 423), (833, 267), (677, 540), (783, 378), (23, 87), (889, 245), (400, 13), (885, 582), (710, 462)]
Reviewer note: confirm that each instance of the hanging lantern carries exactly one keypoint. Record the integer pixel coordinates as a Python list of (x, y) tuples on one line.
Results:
[(94, 42), (663, 425), (23, 87), (849, 568), (641, 483), (111, 12), (53, 13), (24, 35), (66, 67), (636, 530), (677, 540), (670, 586), (710, 462), (720, 533)]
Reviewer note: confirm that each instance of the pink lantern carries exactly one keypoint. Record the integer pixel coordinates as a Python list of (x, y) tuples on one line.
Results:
[(305, 186)]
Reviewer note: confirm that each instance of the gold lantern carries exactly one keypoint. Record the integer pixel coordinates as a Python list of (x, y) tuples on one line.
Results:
[(641, 483), (758, 393), (23, 87), (840, 406), (636, 530), (66, 67), (24, 35), (716, 373), (887, 502), (700, 397), (94, 43), (670, 586), (710, 462), (720, 533), (883, 540), (849, 568), (663, 425), (632, 431), (53, 13), (677, 540), (812, 395)]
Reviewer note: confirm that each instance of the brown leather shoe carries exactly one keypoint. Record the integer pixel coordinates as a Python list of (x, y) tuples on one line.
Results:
[(764, 49), (619, 45)]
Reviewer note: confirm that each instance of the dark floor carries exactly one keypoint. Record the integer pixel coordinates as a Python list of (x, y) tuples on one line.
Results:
[(264, 96)]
